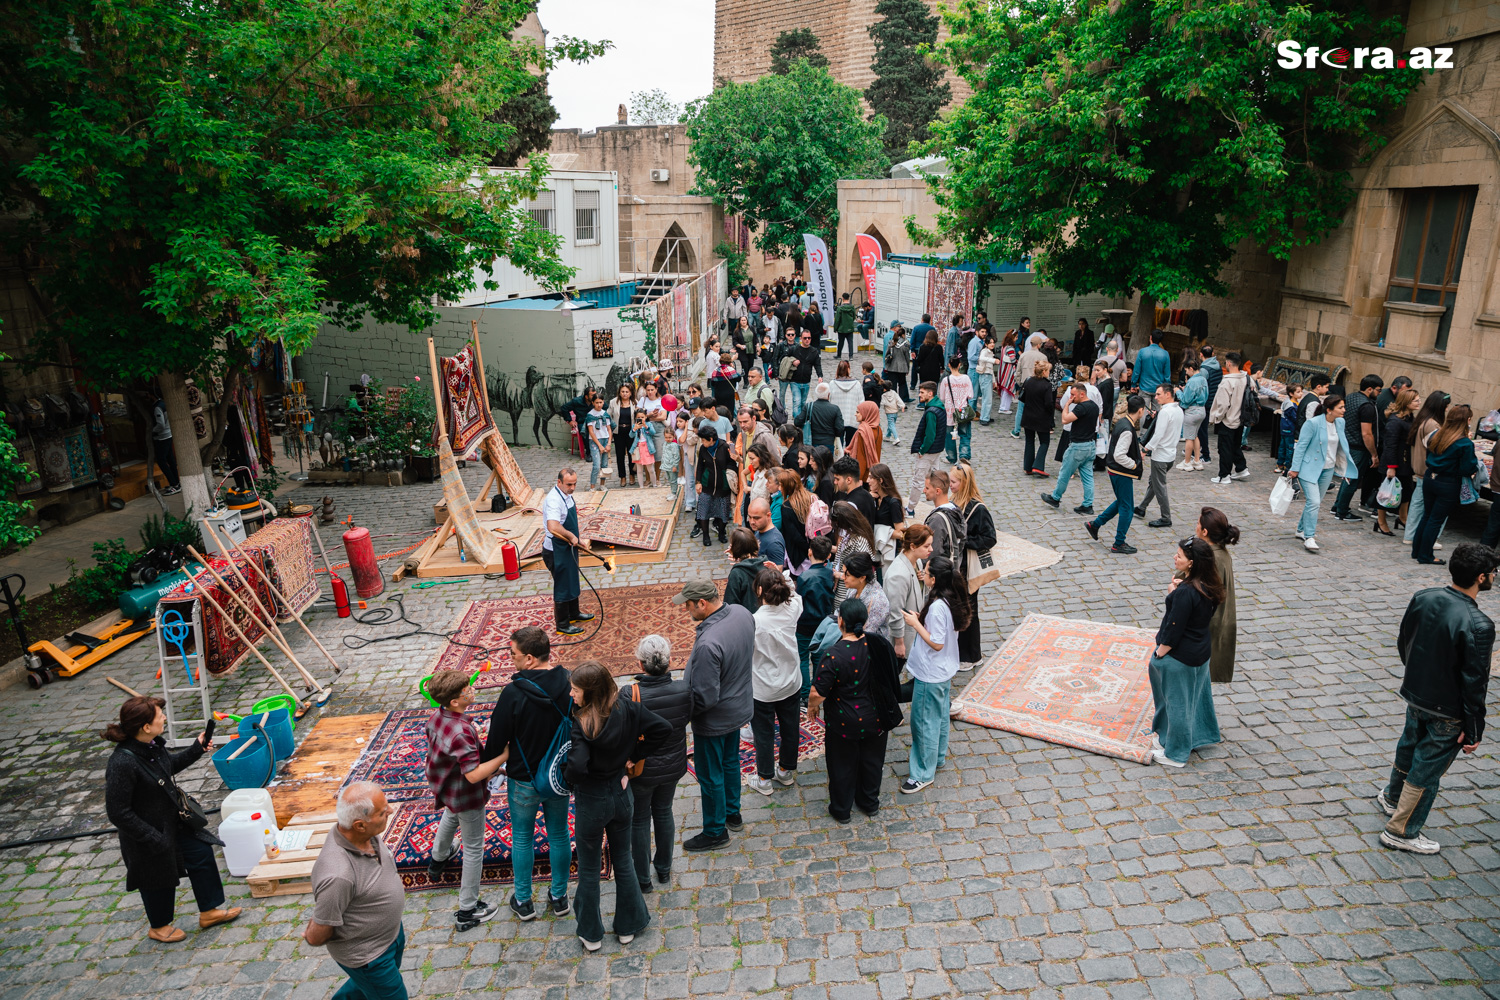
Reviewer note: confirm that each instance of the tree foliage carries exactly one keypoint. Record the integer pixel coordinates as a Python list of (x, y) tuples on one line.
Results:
[(774, 149), (190, 177), (12, 474), (909, 89), (653, 107), (737, 260), (790, 46), (1129, 144), (531, 115)]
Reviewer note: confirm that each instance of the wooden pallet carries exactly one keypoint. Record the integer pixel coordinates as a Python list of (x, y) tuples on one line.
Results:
[(290, 872)]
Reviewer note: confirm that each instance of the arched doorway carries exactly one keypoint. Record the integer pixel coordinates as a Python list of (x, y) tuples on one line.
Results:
[(675, 254)]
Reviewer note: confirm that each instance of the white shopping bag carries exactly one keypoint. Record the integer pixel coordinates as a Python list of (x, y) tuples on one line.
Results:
[(1281, 496), (1389, 494)]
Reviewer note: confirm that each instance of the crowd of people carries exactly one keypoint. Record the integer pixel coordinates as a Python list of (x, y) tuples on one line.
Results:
[(841, 604)]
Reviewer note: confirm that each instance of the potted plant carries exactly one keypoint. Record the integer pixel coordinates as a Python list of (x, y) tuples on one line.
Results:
[(418, 415)]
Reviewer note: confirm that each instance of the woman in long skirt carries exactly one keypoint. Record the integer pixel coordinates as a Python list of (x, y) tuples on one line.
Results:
[(1180, 685), (979, 536)]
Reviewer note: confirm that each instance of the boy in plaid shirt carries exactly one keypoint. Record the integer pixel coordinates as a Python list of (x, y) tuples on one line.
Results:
[(460, 784)]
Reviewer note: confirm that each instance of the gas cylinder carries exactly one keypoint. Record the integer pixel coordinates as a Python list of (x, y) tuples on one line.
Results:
[(340, 596), (511, 561), (368, 582)]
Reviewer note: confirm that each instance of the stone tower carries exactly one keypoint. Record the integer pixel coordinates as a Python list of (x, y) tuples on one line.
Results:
[(745, 29)]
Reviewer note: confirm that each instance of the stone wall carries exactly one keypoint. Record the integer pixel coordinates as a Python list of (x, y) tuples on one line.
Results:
[(1334, 302), (745, 29), (879, 207)]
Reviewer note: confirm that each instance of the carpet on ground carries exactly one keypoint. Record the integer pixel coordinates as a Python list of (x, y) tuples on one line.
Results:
[(629, 614), (396, 759), (286, 545), (809, 747), (1076, 683), (1016, 555)]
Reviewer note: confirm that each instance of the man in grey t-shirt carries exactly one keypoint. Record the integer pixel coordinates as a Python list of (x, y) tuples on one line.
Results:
[(358, 898)]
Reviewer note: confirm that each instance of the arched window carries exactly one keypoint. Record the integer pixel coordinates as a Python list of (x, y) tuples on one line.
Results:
[(675, 254)]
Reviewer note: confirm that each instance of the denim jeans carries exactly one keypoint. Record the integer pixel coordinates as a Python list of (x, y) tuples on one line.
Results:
[(598, 813), (525, 800), (1036, 457), (1079, 458), (203, 872), (471, 825), (890, 426), (597, 458), (1415, 510), (1312, 496), (1440, 498), (799, 400), (770, 716), (804, 661), (1015, 430), (1361, 461), (984, 388), (956, 449), (1124, 506), (653, 808), (929, 727), (1427, 747), (718, 765), (380, 979)]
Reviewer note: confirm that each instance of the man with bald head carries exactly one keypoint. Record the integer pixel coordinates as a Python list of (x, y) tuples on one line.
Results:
[(772, 545)]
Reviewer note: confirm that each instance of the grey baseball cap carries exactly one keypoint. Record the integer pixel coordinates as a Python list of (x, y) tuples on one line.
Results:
[(697, 590)]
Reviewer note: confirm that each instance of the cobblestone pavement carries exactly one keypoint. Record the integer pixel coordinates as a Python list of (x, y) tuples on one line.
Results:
[(1027, 869)]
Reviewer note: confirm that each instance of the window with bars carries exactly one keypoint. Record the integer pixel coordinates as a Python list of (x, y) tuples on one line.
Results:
[(541, 210), (1430, 251), (585, 216)]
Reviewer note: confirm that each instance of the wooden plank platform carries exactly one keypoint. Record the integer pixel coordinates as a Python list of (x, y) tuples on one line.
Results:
[(322, 761), (290, 879)]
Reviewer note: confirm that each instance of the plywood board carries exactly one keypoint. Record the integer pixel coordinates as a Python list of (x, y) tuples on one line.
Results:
[(319, 765)]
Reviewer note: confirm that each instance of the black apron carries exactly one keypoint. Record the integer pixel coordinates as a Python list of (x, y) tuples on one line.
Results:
[(564, 561)]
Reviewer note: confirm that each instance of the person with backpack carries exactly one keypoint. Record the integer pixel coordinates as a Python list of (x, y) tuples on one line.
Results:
[(1232, 408), (609, 735), (927, 441), (946, 521), (896, 362), (1123, 462), (531, 721)]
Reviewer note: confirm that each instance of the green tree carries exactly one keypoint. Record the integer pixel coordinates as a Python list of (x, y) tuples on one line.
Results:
[(531, 116), (773, 150), (12, 474), (737, 260), (790, 46), (1128, 145), (909, 89), (188, 180), (653, 107)]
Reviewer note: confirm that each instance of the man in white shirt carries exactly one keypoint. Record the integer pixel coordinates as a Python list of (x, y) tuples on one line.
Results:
[(1163, 450), (560, 515)]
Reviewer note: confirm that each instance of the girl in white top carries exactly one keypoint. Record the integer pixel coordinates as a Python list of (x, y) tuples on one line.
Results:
[(932, 661)]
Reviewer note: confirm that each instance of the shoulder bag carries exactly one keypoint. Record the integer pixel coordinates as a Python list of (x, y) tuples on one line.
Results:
[(634, 768), (979, 565), (189, 812), (547, 777), (965, 414)]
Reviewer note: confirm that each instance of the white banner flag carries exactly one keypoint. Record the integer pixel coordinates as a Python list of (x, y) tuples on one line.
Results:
[(819, 282)]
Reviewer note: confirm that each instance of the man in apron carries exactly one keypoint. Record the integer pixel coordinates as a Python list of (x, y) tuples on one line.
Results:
[(560, 513)]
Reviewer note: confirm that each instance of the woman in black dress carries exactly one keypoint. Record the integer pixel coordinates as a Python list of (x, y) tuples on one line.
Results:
[(859, 680), (979, 536), (890, 515), (157, 845), (1038, 413), (931, 365)]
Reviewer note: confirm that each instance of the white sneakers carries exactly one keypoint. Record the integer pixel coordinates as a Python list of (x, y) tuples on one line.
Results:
[(762, 785), (1417, 845), (1242, 474), (1384, 803), (785, 777), (1159, 753), (1310, 544), (1226, 479)]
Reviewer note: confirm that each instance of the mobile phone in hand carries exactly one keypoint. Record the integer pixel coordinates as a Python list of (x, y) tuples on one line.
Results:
[(208, 731)]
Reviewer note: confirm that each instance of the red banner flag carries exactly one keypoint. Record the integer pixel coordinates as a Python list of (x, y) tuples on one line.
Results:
[(869, 253)]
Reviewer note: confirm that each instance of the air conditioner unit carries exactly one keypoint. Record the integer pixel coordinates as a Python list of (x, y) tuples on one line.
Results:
[(661, 175)]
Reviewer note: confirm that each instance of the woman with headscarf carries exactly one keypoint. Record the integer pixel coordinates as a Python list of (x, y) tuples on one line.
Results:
[(865, 446)]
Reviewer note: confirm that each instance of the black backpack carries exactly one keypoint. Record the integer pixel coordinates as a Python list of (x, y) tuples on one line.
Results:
[(1249, 405)]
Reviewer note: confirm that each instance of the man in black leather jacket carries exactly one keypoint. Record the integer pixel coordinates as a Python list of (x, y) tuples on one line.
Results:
[(1445, 642)]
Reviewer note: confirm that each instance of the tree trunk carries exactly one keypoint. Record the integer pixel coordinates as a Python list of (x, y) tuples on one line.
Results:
[(1141, 325), (195, 493)]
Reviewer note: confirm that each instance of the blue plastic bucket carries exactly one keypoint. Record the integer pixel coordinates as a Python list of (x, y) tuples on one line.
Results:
[(278, 726), (251, 769)]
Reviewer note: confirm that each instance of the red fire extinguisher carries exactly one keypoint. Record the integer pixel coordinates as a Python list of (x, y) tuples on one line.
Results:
[(510, 560), (340, 596), (368, 582)]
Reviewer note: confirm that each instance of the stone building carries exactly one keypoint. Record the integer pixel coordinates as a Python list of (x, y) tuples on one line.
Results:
[(880, 208), (1407, 285), (745, 29)]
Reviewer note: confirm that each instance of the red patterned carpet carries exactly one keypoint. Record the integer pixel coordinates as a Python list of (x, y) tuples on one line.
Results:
[(629, 614), (1076, 683)]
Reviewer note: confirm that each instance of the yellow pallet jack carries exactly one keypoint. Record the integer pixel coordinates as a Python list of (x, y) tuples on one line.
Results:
[(84, 650)]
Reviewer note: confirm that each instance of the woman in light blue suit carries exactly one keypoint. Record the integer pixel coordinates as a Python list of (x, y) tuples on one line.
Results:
[(1322, 453)]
